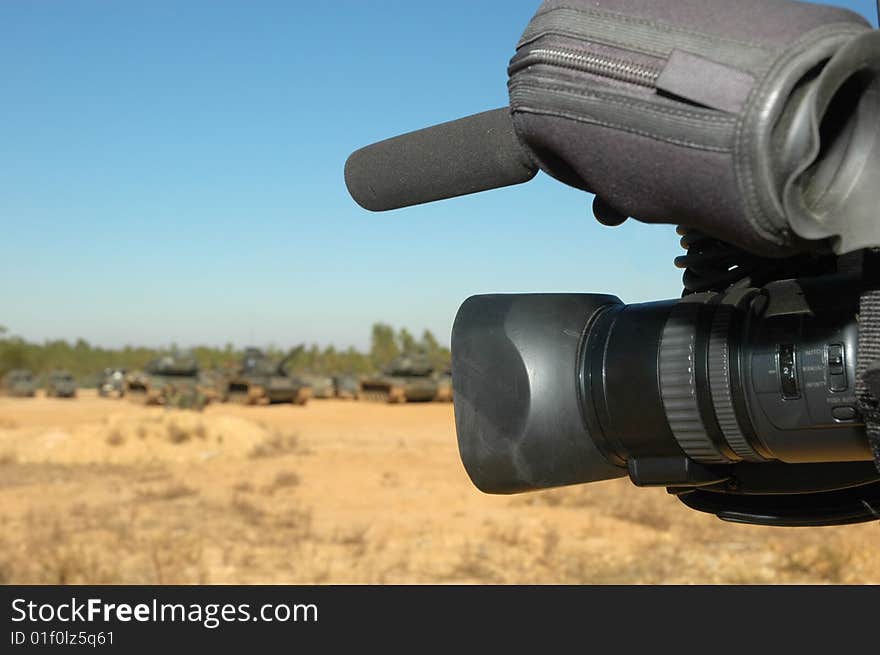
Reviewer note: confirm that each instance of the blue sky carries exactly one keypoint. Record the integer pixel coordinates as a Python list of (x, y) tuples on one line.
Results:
[(172, 172)]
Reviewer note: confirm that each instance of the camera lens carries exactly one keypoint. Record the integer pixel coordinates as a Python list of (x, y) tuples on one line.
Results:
[(562, 389)]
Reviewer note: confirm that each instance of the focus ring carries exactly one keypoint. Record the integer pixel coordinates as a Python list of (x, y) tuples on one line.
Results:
[(678, 384), (719, 384)]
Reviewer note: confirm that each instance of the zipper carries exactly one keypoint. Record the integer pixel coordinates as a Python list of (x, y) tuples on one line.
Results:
[(614, 68)]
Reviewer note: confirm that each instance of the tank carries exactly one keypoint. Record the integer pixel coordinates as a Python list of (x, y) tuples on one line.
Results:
[(60, 384), (136, 383), (444, 386), (322, 385), (112, 383), (19, 383), (214, 385), (347, 387), (260, 380), (171, 380), (409, 378)]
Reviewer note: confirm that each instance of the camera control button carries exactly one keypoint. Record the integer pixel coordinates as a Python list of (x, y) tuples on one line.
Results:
[(835, 359), (788, 371), (836, 368)]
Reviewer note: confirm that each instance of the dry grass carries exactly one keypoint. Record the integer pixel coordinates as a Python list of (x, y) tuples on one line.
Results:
[(244, 486), (247, 509), (115, 438), (252, 538), (359, 509), (178, 433), (164, 493), (296, 524), (283, 480), (277, 444), (7, 423)]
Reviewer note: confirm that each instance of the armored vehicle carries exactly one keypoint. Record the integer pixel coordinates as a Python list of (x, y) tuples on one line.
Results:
[(444, 386), (170, 380), (60, 384), (214, 385), (19, 383), (408, 378), (260, 380), (322, 385), (112, 383), (347, 387), (136, 383)]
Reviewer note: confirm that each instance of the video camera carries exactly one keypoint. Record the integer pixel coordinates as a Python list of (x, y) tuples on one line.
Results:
[(755, 126)]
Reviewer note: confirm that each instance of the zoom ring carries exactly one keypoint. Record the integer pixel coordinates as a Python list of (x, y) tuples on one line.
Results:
[(678, 383), (719, 384)]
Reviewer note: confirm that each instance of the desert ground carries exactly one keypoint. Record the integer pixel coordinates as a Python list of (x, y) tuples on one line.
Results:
[(96, 490)]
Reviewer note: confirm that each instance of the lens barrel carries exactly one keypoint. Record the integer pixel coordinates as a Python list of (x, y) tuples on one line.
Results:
[(561, 389)]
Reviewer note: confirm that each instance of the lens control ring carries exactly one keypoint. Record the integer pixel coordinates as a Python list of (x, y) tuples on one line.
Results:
[(719, 384), (678, 382)]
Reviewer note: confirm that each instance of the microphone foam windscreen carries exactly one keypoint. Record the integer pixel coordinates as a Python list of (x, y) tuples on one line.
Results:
[(465, 156)]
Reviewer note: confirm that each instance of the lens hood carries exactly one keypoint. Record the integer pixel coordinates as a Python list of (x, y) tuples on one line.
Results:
[(517, 405)]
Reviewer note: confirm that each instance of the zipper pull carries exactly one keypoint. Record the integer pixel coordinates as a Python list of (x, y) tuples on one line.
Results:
[(705, 82)]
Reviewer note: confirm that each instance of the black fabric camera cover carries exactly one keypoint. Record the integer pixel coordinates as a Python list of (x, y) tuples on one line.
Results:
[(692, 112)]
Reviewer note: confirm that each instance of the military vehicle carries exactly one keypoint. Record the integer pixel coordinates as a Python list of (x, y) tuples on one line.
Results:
[(112, 383), (60, 384), (409, 378), (214, 385), (322, 385), (136, 382), (347, 387), (170, 380), (261, 380), (19, 383), (444, 386)]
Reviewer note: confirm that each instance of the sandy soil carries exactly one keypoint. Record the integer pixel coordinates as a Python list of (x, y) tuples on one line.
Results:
[(105, 491)]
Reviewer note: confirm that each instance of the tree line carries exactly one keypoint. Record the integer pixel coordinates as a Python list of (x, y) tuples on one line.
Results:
[(85, 361)]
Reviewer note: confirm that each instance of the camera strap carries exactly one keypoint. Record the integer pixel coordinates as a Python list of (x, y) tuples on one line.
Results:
[(868, 359)]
